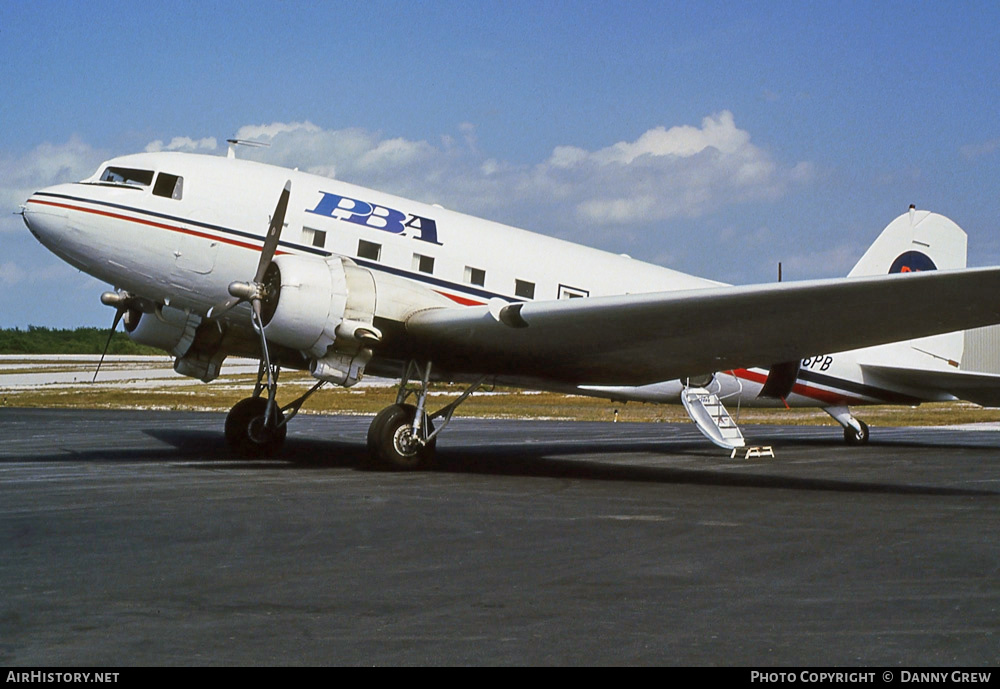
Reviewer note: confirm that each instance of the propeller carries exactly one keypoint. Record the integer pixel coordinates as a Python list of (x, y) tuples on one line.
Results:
[(255, 291), (123, 303)]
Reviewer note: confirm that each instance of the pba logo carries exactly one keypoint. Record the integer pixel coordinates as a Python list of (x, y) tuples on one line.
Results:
[(376, 217), (912, 262)]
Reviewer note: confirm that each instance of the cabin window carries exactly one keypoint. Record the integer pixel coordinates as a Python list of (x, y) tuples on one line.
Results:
[(424, 264), (524, 289), (475, 276), (170, 186), (316, 238), (369, 250), (567, 292), (127, 176)]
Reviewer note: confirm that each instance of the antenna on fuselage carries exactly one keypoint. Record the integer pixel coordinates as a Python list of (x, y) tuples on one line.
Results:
[(233, 143)]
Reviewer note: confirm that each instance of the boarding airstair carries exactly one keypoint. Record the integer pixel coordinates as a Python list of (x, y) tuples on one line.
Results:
[(710, 416)]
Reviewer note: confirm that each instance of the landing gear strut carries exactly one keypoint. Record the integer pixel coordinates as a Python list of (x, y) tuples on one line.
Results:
[(257, 426), (402, 436), (855, 430)]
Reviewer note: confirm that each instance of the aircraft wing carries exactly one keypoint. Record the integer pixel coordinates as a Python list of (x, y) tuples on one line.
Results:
[(981, 388), (644, 338)]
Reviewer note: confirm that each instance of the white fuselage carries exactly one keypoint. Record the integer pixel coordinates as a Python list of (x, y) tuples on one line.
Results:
[(212, 235)]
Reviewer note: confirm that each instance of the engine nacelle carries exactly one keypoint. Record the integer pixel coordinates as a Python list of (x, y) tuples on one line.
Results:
[(171, 330), (326, 309), (176, 332), (322, 302)]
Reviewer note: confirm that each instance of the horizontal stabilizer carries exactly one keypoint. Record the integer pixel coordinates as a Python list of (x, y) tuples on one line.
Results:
[(980, 388)]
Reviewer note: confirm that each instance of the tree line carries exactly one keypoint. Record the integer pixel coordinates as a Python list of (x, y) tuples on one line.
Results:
[(41, 340)]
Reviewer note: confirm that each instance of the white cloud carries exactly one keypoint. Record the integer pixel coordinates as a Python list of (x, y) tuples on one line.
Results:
[(719, 132), (183, 143), (11, 274), (263, 132), (45, 165), (680, 171), (978, 150)]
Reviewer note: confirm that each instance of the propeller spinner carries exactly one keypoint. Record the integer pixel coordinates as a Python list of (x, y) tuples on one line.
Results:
[(256, 290)]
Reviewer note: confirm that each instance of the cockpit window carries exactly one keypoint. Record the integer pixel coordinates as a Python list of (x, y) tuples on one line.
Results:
[(127, 177), (170, 186)]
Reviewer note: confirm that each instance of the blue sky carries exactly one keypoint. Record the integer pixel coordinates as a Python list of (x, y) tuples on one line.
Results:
[(715, 138)]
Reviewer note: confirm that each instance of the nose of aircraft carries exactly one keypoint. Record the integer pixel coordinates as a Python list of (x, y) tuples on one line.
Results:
[(45, 218)]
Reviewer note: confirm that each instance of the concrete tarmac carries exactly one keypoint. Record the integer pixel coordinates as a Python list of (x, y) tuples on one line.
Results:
[(136, 538)]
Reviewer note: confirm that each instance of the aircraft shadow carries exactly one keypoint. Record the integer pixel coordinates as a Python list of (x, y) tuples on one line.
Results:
[(539, 460), (545, 459)]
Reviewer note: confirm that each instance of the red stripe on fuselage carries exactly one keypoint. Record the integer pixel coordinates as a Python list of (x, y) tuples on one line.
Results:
[(151, 223), (464, 301), (460, 300), (825, 396)]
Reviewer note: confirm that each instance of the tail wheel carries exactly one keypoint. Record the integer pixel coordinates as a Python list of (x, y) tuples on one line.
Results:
[(246, 432), (853, 437), (391, 444)]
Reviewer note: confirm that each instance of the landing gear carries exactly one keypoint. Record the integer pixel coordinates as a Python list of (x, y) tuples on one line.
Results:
[(392, 442), (402, 437), (856, 437), (855, 430), (250, 433), (257, 426)]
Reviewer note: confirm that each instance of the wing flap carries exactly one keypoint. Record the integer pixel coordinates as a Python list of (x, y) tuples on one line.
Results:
[(645, 338)]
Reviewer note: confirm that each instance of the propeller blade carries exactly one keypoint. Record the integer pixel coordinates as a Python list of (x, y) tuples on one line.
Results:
[(222, 308), (273, 233), (114, 326), (249, 291)]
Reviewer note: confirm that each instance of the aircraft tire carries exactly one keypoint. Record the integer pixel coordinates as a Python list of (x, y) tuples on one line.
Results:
[(387, 446), (241, 419), (853, 437)]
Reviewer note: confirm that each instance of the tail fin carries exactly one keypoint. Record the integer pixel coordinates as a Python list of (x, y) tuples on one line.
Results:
[(916, 241)]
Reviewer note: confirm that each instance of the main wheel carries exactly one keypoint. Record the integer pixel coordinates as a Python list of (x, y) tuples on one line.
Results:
[(853, 437), (391, 444), (245, 430)]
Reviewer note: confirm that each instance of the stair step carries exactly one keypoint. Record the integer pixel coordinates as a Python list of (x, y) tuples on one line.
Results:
[(711, 418)]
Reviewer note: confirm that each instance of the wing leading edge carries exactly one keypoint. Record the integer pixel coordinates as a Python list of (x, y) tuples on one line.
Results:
[(644, 338)]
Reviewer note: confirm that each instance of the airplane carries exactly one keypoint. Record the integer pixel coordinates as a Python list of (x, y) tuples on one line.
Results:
[(215, 256)]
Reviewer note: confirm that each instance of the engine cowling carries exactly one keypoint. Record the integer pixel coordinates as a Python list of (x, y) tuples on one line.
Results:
[(326, 309), (171, 330), (310, 303), (177, 332)]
